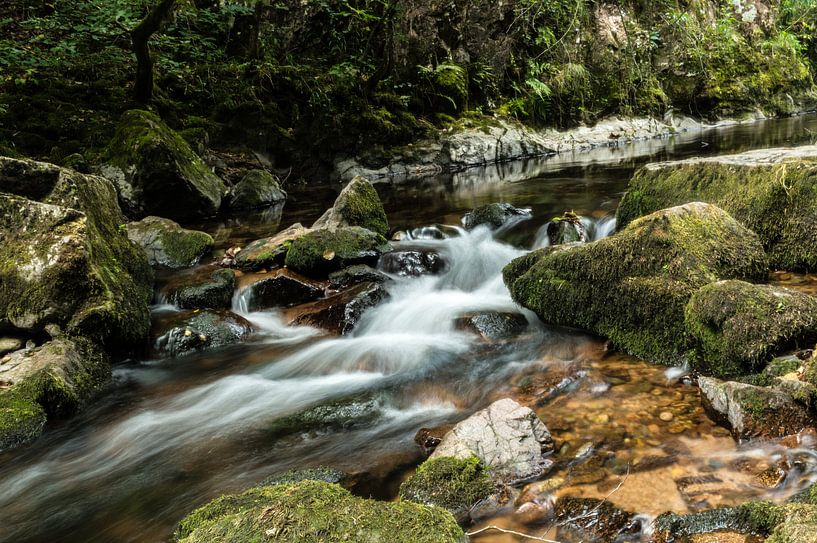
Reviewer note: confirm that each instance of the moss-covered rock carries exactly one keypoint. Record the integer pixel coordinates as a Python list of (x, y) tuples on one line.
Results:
[(168, 245), (258, 188), (773, 192), (321, 473), (737, 327), (451, 483), (157, 173), (357, 205), (493, 215), (758, 518), (207, 289), (66, 261), (269, 252), (321, 252), (54, 380), (315, 512), (633, 287), (798, 526), (199, 330)]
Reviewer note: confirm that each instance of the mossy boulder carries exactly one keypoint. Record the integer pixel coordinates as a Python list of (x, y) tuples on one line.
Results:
[(157, 173), (269, 252), (54, 380), (320, 473), (321, 252), (455, 484), (199, 330), (257, 189), (633, 287), (737, 327), (66, 260), (357, 205), (493, 215), (207, 289), (168, 245), (315, 512), (773, 192)]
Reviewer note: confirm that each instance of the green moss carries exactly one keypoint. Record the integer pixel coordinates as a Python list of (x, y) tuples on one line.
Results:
[(186, 246), (321, 252), (798, 526), (778, 202), (633, 287), (21, 419), (737, 327), (451, 483), (314, 512), (361, 206)]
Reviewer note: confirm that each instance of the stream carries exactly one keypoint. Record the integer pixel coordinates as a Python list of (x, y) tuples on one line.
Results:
[(171, 434)]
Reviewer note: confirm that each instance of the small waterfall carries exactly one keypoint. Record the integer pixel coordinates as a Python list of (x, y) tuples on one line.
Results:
[(596, 229)]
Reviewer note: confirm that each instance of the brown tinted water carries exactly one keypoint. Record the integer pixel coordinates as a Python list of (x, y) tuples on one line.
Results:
[(172, 434)]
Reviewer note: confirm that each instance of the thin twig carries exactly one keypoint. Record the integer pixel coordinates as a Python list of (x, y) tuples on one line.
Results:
[(504, 531)]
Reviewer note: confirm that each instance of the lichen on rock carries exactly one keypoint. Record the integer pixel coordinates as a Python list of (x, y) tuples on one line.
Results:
[(168, 245)]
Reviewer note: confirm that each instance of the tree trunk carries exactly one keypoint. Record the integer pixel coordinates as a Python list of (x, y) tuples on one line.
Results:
[(143, 85)]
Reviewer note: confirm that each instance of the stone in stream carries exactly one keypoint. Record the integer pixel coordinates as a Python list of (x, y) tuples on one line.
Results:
[(66, 262), (753, 411), (54, 380), (205, 289), (157, 173), (337, 416), (633, 287), (268, 252), (493, 215), (770, 191), (200, 330), (315, 511), (412, 262), (341, 312), (357, 205), (738, 327), (321, 252), (10, 344), (493, 325), (509, 440), (168, 245), (354, 275), (321, 473), (257, 189), (566, 229), (281, 288), (589, 519), (454, 484)]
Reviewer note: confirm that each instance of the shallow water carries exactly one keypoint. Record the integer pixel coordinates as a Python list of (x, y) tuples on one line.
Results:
[(171, 434)]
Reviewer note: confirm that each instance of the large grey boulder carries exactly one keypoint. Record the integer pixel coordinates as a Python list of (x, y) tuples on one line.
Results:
[(509, 439)]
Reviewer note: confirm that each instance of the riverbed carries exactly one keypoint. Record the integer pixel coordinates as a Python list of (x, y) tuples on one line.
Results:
[(171, 434)]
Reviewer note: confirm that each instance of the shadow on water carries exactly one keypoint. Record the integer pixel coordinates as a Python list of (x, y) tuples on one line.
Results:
[(171, 434)]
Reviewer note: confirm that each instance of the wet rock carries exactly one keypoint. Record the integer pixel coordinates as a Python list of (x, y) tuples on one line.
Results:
[(738, 326), (534, 512), (200, 330), (752, 411), (493, 325), (282, 288), (321, 473), (257, 189), (357, 205), (429, 438), (340, 313), (66, 262), (750, 518), (315, 511), (268, 252), (567, 229), (770, 191), (354, 275), (10, 344), (593, 520), (157, 173), (633, 287), (321, 252), (337, 416), (493, 215), (454, 484), (54, 380), (210, 289), (415, 262), (508, 439), (168, 245)]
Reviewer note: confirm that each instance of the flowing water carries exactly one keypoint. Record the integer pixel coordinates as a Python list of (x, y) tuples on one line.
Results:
[(171, 434)]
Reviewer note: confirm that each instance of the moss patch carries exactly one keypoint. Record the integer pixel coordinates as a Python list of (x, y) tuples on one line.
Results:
[(321, 252), (447, 482), (315, 512), (633, 287)]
